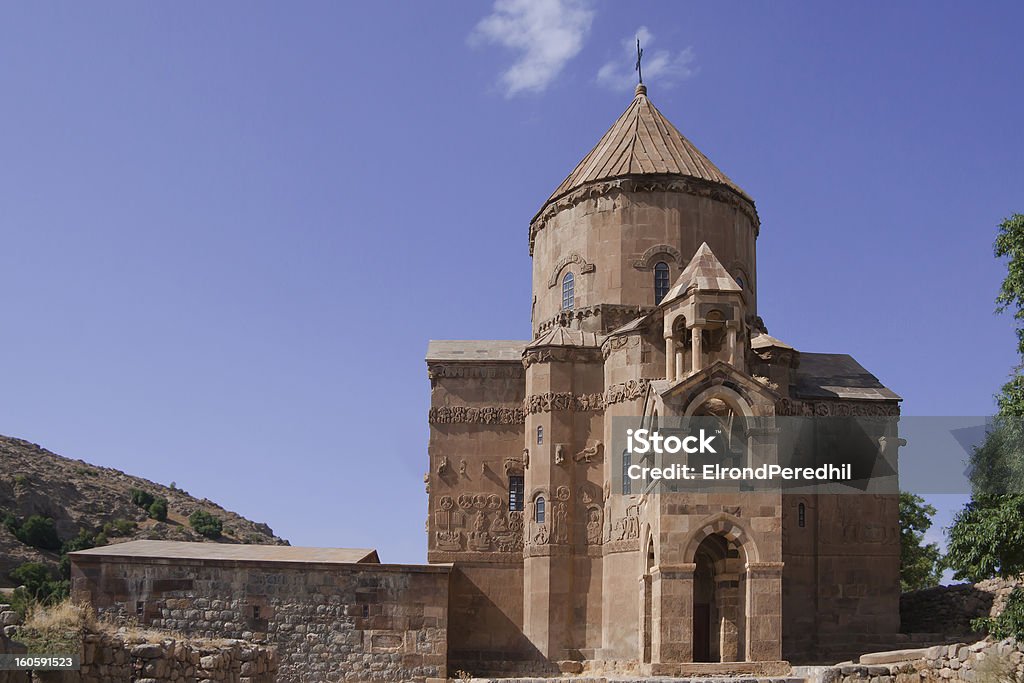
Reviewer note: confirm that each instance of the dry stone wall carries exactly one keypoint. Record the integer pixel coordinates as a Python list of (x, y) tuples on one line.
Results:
[(948, 610), (985, 661), (338, 622)]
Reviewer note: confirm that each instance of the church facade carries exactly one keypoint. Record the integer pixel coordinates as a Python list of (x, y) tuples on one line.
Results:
[(645, 305)]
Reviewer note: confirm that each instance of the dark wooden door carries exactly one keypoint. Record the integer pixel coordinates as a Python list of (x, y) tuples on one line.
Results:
[(702, 633)]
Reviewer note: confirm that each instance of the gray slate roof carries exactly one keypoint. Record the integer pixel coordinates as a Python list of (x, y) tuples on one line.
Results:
[(838, 375)]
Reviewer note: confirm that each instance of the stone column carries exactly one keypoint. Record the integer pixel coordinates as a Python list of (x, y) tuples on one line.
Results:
[(695, 365), (733, 333), (764, 611), (645, 623), (672, 613), (670, 358)]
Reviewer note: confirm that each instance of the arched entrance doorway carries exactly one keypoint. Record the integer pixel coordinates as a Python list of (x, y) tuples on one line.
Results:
[(718, 601)]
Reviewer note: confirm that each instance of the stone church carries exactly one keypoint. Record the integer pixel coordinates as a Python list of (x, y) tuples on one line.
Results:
[(645, 303)]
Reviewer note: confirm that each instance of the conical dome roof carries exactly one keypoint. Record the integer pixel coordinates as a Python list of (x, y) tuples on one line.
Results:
[(643, 142)]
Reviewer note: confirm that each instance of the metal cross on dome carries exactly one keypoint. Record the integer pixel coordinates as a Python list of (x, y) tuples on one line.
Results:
[(639, 56)]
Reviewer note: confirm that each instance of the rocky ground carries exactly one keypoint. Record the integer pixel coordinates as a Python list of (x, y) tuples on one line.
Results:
[(78, 495)]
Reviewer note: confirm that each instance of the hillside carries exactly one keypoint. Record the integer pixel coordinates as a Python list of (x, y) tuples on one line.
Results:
[(81, 497)]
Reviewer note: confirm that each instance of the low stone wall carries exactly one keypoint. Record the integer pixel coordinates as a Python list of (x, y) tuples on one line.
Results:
[(985, 661), (125, 656), (950, 609), (121, 657), (329, 622)]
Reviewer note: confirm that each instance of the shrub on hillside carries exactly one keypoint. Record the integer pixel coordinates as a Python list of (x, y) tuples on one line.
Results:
[(141, 498), (158, 510), (119, 527), (39, 532), (206, 524), (37, 585)]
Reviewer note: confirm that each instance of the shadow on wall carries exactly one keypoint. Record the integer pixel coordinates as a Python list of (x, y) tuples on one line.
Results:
[(948, 610), (485, 637)]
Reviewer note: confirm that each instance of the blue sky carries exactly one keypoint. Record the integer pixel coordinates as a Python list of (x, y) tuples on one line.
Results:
[(230, 229)]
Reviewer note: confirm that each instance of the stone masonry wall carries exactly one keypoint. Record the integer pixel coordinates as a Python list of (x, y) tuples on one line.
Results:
[(949, 610), (338, 622)]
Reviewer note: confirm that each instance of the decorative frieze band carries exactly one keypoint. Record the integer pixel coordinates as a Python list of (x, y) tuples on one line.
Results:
[(691, 186), (612, 316), (482, 415), (510, 370), (561, 354), (558, 401), (626, 391), (797, 408)]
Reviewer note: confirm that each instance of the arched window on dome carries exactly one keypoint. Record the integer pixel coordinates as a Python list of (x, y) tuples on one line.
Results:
[(568, 291), (661, 281), (538, 510)]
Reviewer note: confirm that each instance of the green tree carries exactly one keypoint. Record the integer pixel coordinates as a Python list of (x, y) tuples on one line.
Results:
[(920, 563), (987, 536), (206, 524), (1010, 245)]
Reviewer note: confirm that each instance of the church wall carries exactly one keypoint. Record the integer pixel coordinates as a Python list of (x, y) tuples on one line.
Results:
[(604, 239), (471, 457)]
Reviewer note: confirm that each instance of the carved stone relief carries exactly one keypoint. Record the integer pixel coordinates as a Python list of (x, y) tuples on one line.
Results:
[(477, 522), (485, 415), (794, 407), (659, 252), (626, 391), (591, 454), (560, 401), (585, 267)]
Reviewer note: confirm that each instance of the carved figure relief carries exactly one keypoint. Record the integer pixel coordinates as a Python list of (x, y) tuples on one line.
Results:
[(442, 465), (595, 525), (560, 523), (628, 527), (490, 528), (480, 537), (559, 454), (590, 454)]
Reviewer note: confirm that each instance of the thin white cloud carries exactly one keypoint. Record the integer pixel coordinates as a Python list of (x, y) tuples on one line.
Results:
[(664, 67), (546, 34)]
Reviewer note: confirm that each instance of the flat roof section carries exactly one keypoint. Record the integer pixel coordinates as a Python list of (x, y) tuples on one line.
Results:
[(187, 550), (478, 350)]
